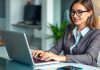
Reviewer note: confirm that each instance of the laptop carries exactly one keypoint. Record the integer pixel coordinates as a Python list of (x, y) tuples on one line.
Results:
[(18, 48)]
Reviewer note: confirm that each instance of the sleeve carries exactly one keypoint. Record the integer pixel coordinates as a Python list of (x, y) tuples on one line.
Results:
[(57, 49), (91, 53)]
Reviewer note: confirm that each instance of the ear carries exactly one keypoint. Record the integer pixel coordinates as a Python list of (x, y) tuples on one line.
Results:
[(90, 12)]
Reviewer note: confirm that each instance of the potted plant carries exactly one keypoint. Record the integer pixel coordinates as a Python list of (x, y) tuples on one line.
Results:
[(57, 31)]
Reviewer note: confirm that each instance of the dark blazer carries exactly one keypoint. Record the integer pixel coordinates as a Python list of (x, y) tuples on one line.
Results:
[(86, 52)]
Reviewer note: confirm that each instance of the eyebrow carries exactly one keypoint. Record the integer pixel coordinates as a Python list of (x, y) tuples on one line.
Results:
[(78, 9)]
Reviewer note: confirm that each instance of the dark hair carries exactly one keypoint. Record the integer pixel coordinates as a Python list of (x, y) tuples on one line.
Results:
[(91, 21)]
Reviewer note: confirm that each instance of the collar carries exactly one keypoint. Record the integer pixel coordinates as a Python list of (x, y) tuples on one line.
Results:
[(83, 32)]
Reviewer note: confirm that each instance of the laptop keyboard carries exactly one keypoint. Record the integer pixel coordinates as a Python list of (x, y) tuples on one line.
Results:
[(37, 60)]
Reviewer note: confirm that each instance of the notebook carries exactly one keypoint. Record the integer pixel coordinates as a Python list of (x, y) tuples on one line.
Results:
[(18, 48)]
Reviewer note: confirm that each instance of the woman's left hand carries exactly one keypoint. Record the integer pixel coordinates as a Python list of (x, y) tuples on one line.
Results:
[(51, 56)]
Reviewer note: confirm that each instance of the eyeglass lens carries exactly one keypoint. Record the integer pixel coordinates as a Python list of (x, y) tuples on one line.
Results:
[(78, 12)]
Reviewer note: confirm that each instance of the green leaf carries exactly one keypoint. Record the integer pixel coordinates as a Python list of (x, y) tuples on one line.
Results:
[(57, 31)]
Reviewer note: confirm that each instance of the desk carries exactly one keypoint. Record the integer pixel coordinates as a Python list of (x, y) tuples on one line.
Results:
[(6, 64)]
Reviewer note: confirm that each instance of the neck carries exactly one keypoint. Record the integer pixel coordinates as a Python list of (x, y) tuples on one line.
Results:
[(80, 27)]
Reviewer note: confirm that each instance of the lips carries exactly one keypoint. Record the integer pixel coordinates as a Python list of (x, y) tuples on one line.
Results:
[(76, 20)]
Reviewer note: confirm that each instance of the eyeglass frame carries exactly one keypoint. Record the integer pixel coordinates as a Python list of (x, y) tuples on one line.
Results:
[(79, 14)]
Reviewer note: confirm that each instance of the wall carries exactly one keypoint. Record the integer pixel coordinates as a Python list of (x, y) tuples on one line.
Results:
[(37, 2), (47, 17), (96, 4), (14, 12), (50, 15), (57, 11)]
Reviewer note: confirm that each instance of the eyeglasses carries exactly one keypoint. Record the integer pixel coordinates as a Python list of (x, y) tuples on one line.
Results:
[(78, 12)]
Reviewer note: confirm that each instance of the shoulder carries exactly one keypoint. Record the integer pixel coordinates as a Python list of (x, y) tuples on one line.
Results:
[(95, 32)]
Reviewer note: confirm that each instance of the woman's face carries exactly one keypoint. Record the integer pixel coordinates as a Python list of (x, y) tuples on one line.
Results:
[(79, 14)]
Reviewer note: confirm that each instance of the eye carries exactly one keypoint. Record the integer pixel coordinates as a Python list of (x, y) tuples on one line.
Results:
[(72, 12), (80, 11)]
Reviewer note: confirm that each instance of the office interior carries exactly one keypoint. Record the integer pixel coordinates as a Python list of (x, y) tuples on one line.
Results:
[(52, 12)]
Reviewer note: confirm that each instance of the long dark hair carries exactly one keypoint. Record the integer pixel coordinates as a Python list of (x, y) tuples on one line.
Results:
[(91, 21)]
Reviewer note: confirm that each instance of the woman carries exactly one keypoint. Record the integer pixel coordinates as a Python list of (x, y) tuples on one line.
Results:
[(81, 40)]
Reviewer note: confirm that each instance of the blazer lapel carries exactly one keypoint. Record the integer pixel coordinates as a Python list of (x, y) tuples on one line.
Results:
[(71, 41), (85, 37)]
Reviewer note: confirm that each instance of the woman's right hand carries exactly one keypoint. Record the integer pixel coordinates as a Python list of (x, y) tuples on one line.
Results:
[(38, 53)]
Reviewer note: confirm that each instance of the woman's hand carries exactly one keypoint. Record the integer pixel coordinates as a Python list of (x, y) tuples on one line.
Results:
[(38, 53), (51, 56), (47, 56)]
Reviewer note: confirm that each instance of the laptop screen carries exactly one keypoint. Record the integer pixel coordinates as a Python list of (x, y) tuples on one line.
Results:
[(17, 46)]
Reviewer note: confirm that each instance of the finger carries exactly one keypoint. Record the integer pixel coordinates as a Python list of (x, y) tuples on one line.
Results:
[(38, 54), (35, 53), (45, 56), (41, 55), (48, 59)]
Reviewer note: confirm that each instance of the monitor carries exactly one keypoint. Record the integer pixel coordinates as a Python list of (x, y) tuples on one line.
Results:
[(32, 13)]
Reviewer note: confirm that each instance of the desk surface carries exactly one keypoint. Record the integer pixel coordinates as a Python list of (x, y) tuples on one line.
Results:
[(6, 64)]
